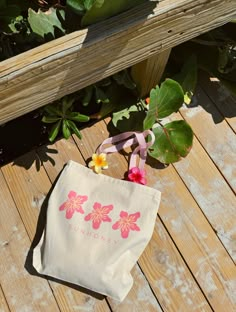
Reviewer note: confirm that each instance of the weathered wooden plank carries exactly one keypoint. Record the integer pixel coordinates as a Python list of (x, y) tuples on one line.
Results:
[(153, 269), (23, 291), (3, 304), (44, 74), (217, 138), (29, 188), (204, 180), (66, 150), (209, 262), (221, 97), (212, 194), (147, 74), (140, 297), (169, 276)]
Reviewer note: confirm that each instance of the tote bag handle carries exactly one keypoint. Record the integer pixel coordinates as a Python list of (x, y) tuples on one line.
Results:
[(127, 139)]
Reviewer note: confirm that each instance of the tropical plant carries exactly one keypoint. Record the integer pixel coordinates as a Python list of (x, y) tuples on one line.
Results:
[(173, 139), (27, 24), (213, 52), (62, 116)]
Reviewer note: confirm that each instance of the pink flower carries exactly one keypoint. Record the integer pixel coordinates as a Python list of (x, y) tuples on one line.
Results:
[(73, 204), (136, 175), (127, 223), (99, 214)]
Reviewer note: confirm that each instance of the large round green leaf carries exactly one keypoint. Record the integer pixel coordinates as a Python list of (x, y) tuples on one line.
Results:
[(172, 142), (169, 98), (163, 101)]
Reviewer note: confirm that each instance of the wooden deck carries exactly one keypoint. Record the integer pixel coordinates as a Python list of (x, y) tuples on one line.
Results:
[(189, 264)]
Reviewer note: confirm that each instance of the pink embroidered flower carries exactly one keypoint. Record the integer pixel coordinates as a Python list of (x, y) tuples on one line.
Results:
[(73, 204), (99, 214), (127, 223), (136, 175)]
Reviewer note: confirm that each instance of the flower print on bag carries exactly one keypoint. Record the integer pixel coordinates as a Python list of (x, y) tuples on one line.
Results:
[(99, 214), (127, 223), (73, 203)]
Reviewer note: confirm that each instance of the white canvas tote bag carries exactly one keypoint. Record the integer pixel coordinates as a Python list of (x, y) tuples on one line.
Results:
[(97, 227)]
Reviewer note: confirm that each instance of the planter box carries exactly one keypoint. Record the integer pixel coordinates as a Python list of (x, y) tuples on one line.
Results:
[(44, 74)]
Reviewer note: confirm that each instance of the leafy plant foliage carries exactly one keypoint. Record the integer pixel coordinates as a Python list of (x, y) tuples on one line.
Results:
[(173, 140), (63, 117), (96, 101), (44, 23), (27, 24), (213, 52)]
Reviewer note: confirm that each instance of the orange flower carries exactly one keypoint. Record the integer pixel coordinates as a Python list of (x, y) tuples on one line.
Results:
[(147, 100), (98, 162)]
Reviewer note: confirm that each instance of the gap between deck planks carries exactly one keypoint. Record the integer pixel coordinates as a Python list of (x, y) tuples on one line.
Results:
[(217, 137), (3, 303)]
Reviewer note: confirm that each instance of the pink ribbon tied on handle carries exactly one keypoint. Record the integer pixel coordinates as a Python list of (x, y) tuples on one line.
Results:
[(136, 166)]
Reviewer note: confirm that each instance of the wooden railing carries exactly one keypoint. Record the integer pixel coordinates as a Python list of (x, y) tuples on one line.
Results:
[(44, 74)]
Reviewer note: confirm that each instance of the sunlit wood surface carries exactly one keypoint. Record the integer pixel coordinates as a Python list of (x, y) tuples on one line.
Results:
[(189, 265)]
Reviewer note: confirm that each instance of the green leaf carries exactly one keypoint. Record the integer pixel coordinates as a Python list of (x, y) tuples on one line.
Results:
[(187, 78), (101, 96), (102, 9), (67, 102), (50, 119), (88, 4), (107, 108), (54, 131), (169, 98), (52, 110), (129, 119), (123, 78), (74, 129), (88, 95), (104, 82), (43, 23), (172, 142), (77, 117), (65, 129), (152, 113), (76, 5), (119, 99)]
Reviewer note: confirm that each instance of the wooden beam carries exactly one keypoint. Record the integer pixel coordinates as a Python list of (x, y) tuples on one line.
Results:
[(147, 74), (44, 74)]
